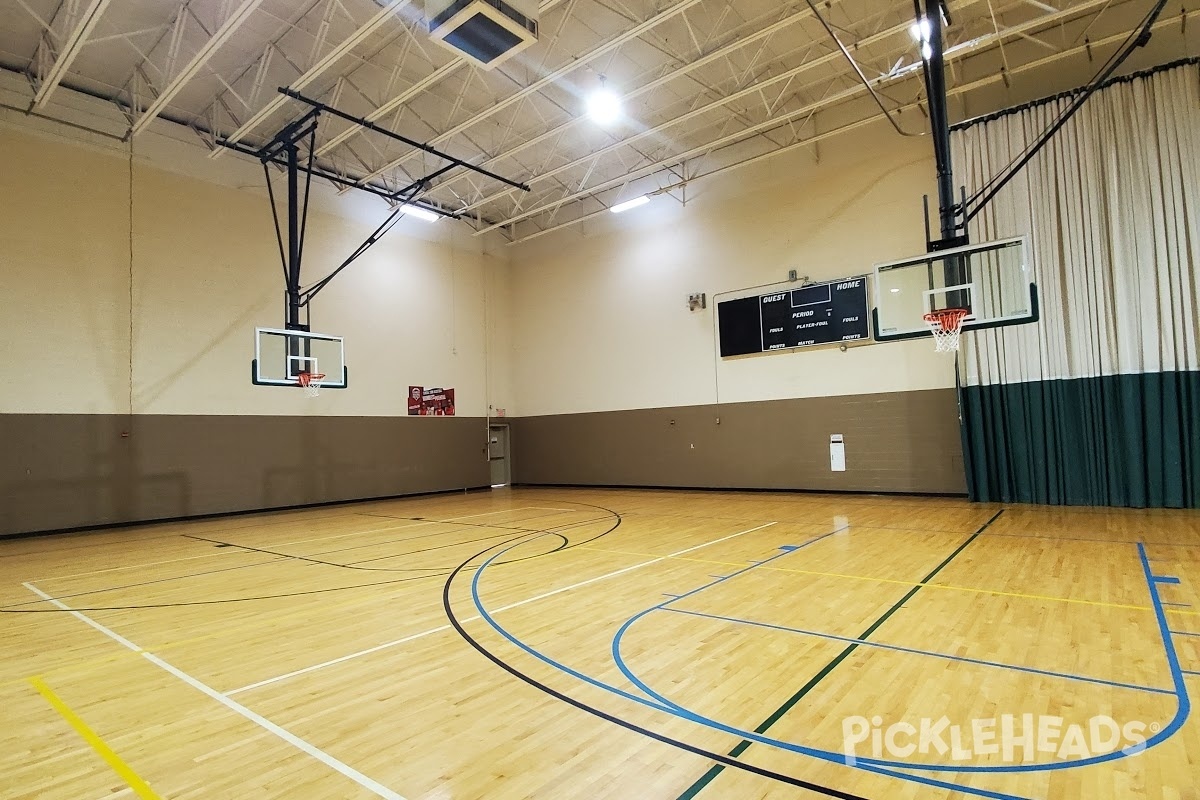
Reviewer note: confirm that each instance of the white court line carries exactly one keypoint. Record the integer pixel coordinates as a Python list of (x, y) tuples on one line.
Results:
[(519, 603), (331, 662), (362, 780)]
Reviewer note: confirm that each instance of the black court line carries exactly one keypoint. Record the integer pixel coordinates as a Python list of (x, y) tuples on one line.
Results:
[(19, 608), (744, 744), (678, 743)]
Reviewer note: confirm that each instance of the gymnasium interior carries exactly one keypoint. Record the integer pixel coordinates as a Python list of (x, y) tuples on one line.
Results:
[(638, 399)]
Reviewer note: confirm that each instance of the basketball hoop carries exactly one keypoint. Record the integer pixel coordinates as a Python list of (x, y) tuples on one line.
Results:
[(311, 382), (946, 325)]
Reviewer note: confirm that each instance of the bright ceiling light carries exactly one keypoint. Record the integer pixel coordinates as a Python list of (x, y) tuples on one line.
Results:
[(920, 30), (419, 213), (628, 204), (604, 105), (926, 51)]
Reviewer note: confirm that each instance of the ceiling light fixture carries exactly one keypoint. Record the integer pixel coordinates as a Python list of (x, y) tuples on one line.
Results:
[(604, 105), (628, 204), (418, 212), (920, 30)]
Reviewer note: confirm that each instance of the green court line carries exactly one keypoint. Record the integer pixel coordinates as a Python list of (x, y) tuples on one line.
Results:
[(790, 703)]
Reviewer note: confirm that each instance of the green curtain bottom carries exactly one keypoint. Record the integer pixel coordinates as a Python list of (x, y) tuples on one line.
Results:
[(1119, 440)]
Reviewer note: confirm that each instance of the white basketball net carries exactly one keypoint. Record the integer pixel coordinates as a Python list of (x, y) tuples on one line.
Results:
[(946, 326), (311, 383)]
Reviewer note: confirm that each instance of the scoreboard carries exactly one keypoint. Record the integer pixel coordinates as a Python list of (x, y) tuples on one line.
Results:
[(820, 313)]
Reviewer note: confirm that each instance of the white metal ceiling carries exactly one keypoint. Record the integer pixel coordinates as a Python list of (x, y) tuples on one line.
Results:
[(708, 84)]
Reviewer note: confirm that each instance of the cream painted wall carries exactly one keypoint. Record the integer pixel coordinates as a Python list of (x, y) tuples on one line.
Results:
[(603, 323), (205, 271)]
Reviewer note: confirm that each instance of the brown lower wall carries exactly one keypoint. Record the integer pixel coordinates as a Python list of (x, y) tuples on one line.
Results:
[(895, 442), (66, 470)]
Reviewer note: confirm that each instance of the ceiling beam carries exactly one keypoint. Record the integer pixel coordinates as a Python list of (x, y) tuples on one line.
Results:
[(954, 53), (811, 140), (387, 12), (721, 52), (227, 29), (66, 54), (408, 94), (546, 80)]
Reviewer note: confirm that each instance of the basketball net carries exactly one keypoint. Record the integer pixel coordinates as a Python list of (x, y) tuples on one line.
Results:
[(946, 325), (311, 382)]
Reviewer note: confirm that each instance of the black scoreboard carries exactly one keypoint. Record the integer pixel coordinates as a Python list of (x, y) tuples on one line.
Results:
[(820, 313)]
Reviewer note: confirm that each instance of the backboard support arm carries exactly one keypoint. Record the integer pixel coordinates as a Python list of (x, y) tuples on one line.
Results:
[(294, 149)]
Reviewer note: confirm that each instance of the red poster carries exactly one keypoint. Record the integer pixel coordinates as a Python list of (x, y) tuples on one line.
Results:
[(424, 402)]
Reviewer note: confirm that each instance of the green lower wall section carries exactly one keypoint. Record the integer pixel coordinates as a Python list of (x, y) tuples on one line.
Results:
[(895, 442), (74, 470), (1120, 440)]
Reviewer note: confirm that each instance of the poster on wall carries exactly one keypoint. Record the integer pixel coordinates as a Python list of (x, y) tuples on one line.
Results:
[(424, 402)]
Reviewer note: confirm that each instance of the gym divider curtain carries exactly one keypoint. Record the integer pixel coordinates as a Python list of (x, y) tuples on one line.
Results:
[(1099, 402)]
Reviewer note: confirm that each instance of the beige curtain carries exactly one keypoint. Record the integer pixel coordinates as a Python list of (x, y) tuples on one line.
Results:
[(1111, 207)]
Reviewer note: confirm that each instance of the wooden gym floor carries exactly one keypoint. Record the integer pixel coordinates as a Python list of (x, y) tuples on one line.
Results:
[(543, 643)]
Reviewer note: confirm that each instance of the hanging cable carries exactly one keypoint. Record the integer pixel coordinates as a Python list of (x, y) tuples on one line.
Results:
[(858, 71)]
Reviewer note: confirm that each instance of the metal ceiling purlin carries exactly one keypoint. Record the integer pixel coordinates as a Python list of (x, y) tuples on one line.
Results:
[(167, 93), (811, 140), (80, 26), (386, 13), (955, 52), (824, 59), (40, 21), (413, 91), (720, 53), (548, 79), (828, 57)]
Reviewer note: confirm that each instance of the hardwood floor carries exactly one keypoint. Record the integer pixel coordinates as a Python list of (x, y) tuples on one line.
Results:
[(555, 643)]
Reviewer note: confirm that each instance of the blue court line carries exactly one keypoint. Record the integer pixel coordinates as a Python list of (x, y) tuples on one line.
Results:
[(871, 765), (483, 613), (947, 656), (1182, 709), (1165, 579)]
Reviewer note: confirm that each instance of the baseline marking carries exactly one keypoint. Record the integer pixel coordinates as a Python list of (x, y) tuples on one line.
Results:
[(362, 780), (93, 739)]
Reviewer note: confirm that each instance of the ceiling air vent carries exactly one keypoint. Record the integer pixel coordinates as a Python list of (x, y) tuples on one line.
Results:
[(484, 31)]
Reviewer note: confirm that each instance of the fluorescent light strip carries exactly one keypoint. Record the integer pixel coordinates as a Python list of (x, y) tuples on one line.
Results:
[(628, 204), (419, 213)]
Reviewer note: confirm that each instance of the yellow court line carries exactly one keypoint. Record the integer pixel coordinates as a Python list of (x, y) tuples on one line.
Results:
[(904, 583), (127, 774)]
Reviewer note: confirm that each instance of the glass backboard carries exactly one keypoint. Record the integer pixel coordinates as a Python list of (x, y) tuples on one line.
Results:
[(993, 281), (281, 355)]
